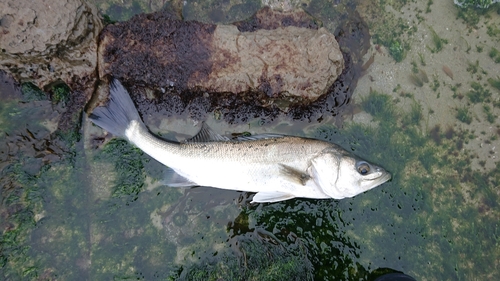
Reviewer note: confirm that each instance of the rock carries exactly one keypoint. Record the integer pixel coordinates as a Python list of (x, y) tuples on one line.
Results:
[(290, 61), (283, 62), (475, 3), (43, 41)]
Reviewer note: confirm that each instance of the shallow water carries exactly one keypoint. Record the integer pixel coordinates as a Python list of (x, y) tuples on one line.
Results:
[(74, 208)]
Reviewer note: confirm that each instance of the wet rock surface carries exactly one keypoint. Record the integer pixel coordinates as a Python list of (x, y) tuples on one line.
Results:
[(281, 61), (43, 42), (270, 64)]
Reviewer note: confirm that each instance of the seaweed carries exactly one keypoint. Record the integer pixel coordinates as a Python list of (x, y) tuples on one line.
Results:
[(428, 158), (261, 261), (389, 32), (482, 4), (17, 185), (493, 53), (492, 30), (32, 93), (128, 161), (438, 41), (414, 116), (489, 114), (473, 68), (379, 106), (60, 93), (397, 50), (116, 12), (422, 59), (495, 83), (463, 115), (428, 6), (469, 12), (435, 83), (478, 93)]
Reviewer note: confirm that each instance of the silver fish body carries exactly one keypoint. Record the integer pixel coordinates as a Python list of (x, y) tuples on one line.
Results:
[(277, 167)]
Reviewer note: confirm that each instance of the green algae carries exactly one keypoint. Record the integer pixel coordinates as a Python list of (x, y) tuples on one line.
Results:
[(379, 106), (262, 261), (463, 115), (390, 31), (495, 83), (478, 93), (218, 12), (129, 167), (425, 176), (13, 116), (438, 41), (316, 225), (472, 11), (32, 93), (121, 11), (493, 31), (28, 183), (397, 50), (482, 4), (493, 52), (17, 226), (126, 245), (60, 93)]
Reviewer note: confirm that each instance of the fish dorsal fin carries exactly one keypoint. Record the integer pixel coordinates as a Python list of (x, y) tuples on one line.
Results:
[(257, 137), (294, 175), (206, 135)]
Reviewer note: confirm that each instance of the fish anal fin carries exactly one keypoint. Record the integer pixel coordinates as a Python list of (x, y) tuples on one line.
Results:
[(269, 197), (173, 179), (294, 174), (206, 134)]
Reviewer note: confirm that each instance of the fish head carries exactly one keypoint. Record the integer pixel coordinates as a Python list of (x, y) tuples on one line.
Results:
[(341, 175)]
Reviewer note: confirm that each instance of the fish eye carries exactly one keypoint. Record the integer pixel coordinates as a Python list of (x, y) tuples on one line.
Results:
[(363, 168)]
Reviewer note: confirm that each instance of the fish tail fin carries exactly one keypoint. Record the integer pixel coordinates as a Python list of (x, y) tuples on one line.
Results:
[(119, 113)]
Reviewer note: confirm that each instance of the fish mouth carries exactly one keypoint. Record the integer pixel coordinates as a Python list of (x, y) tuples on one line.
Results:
[(382, 179)]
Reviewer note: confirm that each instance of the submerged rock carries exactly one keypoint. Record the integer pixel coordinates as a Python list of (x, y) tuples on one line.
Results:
[(280, 62), (482, 4), (43, 42)]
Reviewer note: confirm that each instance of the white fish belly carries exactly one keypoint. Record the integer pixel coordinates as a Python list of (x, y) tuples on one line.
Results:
[(241, 176)]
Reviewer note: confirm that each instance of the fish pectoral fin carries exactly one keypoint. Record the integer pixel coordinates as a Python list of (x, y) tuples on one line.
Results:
[(172, 179), (269, 197), (206, 135), (294, 175)]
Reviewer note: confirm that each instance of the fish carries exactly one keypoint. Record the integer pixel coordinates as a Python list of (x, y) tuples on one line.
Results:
[(276, 167)]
